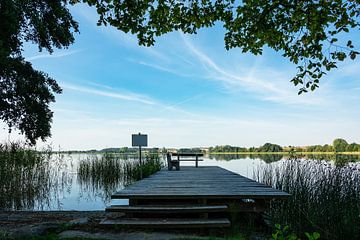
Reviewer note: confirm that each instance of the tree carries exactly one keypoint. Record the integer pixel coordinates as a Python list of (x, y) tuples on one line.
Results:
[(305, 32), (25, 93), (353, 147), (328, 148), (340, 145), (269, 147)]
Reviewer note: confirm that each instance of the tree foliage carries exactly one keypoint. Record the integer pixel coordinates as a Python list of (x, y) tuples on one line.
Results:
[(305, 32), (269, 147), (25, 93), (340, 145)]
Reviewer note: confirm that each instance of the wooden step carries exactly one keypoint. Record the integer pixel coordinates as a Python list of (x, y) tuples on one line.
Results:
[(168, 223), (168, 208)]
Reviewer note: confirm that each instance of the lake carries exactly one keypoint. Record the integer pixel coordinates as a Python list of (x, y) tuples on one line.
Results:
[(69, 181)]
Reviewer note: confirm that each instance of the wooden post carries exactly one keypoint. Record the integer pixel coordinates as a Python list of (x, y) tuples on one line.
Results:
[(203, 201), (140, 162)]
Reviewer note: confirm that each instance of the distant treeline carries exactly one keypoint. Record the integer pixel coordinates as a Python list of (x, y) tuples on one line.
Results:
[(339, 145), (124, 150), (267, 147)]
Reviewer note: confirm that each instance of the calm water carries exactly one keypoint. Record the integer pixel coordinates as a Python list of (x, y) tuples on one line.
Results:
[(60, 185)]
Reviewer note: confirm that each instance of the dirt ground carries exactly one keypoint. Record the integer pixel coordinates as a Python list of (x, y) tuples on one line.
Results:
[(75, 224)]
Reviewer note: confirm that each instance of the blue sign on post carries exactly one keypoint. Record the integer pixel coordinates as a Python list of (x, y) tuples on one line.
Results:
[(139, 140)]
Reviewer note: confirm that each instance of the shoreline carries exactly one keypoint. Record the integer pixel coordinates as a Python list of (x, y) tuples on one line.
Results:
[(283, 153)]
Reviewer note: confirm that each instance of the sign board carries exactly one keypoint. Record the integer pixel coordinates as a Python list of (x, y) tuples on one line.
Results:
[(139, 140)]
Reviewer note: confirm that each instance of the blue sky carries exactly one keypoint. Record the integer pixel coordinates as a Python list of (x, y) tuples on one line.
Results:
[(188, 91)]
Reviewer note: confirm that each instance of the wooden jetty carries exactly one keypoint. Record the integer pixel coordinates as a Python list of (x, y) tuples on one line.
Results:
[(192, 197)]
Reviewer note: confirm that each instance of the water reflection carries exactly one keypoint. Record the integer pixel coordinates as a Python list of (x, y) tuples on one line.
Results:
[(338, 159), (269, 158)]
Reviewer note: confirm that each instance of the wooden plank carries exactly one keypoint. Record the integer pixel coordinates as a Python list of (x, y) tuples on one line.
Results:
[(204, 182), (168, 223), (193, 196), (168, 208)]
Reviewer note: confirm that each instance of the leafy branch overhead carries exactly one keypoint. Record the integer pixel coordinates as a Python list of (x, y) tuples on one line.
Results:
[(25, 93), (305, 32)]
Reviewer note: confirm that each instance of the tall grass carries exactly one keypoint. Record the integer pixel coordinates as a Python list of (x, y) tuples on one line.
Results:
[(103, 174), (325, 197), (27, 180), (33, 180)]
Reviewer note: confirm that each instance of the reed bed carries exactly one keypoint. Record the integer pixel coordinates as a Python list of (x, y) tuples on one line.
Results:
[(27, 180), (325, 197), (104, 174)]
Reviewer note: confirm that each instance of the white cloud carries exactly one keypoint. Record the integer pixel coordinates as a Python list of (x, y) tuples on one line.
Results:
[(122, 96), (270, 84), (163, 68), (127, 40), (350, 68), (174, 107), (107, 91), (60, 54)]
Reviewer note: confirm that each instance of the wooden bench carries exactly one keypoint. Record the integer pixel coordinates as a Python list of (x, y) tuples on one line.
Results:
[(172, 162), (189, 157)]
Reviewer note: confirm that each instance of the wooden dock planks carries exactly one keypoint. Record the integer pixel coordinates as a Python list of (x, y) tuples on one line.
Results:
[(210, 182), (193, 197)]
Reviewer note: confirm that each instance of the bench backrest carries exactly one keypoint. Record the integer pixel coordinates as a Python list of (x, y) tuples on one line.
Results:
[(186, 154)]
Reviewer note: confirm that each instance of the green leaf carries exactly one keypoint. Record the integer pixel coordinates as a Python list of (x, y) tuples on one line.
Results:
[(316, 235)]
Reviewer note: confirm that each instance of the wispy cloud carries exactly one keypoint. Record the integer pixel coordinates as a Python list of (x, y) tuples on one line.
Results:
[(55, 55), (173, 106), (127, 40), (163, 68), (107, 91), (111, 94), (268, 83)]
